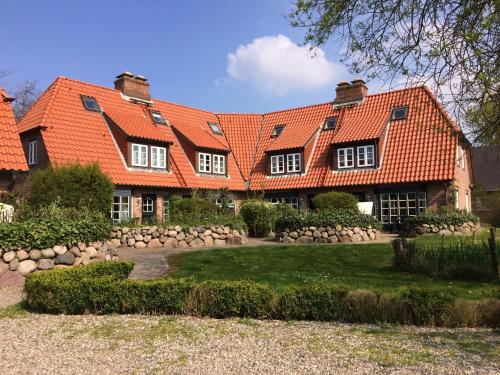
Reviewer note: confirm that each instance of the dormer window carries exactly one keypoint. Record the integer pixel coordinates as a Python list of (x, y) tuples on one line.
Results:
[(345, 157), (90, 103), (277, 164), (139, 155), (399, 113), (366, 156), (211, 163), (330, 123), (215, 128), (157, 117), (278, 129)]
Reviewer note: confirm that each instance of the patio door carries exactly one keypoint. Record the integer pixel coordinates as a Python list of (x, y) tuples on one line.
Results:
[(148, 207)]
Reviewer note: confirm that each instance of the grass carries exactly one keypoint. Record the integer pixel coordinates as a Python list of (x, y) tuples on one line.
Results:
[(368, 266)]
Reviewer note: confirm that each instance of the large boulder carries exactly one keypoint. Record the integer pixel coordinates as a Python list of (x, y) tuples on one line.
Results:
[(22, 255), (209, 241), (91, 251), (26, 266), (196, 243), (48, 253), (171, 242), (305, 239), (219, 242), (4, 267), (13, 264), (140, 245), (155, 243), (35, 254), (67, 259)]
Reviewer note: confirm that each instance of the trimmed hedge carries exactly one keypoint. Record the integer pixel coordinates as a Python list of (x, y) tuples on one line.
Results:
[(324, 218), (54, 226), (334, 200), (452, 217), (259, 215), (100, 288)]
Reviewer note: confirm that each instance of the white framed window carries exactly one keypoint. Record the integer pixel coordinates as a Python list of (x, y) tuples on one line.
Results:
[(219, 164), (204, 162), (366, 156), (139, 155), (32, 152), (148, 205), (292, 201), (345, 157), (158, 157), (277, 164), (457, 198), (120, 210), (467, 207), (293, 163)]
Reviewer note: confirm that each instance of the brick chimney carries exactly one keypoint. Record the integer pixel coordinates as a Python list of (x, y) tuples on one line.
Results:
[(350, 93), (136, 87)]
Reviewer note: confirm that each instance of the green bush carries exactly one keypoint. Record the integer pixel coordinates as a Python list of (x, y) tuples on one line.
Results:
[(326, 218), (335, 200), (259, 216), (100, 288), (53, 225), (73, 186), (443, 217), (426, 306), (317, 301)]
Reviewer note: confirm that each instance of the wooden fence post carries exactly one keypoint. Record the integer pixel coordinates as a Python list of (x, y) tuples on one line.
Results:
[(493, 253)]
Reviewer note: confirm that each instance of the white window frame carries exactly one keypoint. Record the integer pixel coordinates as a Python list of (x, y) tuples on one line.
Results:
[(344, 152), (206, 166), (32, 152), (365, 150), (277, 164), (467, 207), (139, 155), (219, 164), (457, 198), (158, 160), (293, 162), (460, 157), (118, 207)]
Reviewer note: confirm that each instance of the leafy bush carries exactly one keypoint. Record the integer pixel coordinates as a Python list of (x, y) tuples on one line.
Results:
[(326, 218), (462, 260), (426, 306), (73, 186), (335, 200), (259, 216), (100, 288), (442, 217), (318, 301), (52, 226)]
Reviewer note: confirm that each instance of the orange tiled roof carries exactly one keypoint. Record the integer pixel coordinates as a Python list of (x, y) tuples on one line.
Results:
[(419, 148), (11, 152)]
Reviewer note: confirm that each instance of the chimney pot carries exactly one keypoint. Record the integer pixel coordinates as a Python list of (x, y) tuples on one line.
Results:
[(350, 93), (133, 86)]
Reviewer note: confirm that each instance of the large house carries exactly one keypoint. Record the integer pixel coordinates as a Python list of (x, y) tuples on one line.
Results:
[(12, 158), (400, 149)]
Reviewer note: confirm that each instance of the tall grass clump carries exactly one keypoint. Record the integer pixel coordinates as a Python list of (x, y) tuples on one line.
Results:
[(462, 260)]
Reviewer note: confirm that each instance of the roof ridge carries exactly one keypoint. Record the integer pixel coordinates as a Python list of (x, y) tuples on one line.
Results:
[(184, 106), (86, 83)]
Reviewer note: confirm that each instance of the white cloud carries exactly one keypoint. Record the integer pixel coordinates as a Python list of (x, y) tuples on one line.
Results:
[(277, 66)]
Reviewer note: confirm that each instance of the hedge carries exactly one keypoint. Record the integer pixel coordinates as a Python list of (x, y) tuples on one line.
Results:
[(334, 200), (100, 288), (259, 215), (54, 226), (325, 218), (452, 217)]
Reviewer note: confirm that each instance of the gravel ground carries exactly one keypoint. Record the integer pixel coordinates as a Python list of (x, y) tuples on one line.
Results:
[(10, 296), (133, 344)]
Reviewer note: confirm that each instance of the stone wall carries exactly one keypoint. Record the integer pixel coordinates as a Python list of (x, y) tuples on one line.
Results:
[(30, 260), (465, 229), (176, 236), (328, 234)]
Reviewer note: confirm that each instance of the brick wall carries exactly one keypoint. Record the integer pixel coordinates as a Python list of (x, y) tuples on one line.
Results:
[(464, 181)]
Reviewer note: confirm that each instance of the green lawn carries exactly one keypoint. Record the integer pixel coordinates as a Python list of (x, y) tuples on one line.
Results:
[(367, 266)]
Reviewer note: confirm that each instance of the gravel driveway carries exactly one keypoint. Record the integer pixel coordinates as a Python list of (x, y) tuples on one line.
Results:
[(48, 344)]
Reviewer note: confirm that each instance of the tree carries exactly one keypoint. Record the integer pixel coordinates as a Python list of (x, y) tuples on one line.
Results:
[(451, 45), (25, 94)]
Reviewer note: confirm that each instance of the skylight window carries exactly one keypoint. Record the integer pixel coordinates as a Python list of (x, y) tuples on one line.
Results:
[(399, 113), (157, 117), (330, 123), (215, 127), (278, 129), (91, 104)]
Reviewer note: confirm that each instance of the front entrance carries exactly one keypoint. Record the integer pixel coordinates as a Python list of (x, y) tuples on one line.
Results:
[(148, 207)]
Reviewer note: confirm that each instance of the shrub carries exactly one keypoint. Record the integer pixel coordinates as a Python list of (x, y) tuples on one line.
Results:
[(335, 200), (326, 218), (317, 301), (222, 299), (442, 217), (54, 225), (427, 306), (259, 216)]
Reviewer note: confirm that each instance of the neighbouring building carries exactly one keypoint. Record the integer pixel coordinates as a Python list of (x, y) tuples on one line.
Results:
[(399, 150), (12, 160)]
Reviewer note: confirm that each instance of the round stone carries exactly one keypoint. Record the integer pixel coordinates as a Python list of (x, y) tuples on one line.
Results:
[(26, 266)]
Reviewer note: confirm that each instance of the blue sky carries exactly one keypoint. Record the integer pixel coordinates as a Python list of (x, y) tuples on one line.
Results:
[(182, 47)]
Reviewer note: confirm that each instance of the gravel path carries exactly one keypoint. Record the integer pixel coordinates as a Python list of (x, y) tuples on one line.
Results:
[(133, 344), (10, 296)]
